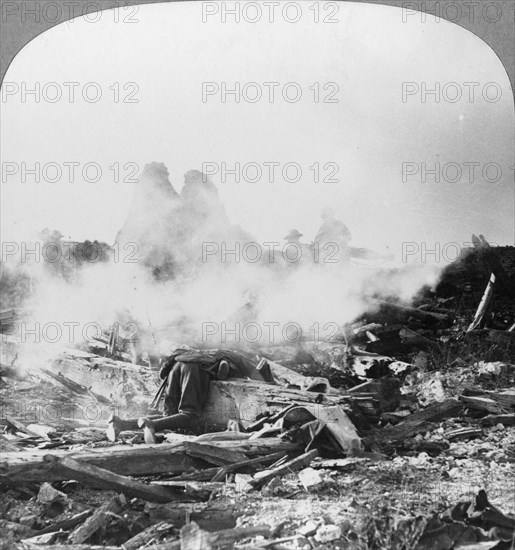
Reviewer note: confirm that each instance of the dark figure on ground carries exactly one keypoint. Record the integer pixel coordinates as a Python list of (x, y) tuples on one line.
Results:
[(188, 374)]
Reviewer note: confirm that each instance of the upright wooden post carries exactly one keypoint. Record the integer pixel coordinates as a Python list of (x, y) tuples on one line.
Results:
[(484, 305)]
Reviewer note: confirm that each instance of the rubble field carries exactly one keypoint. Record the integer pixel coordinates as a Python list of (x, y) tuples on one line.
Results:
[(397, 433), (416, 482)]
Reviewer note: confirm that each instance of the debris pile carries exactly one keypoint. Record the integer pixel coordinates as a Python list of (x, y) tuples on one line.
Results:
[(68, 484), (397, 432)]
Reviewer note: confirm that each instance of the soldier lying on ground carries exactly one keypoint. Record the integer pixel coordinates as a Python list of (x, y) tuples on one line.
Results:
[(188, 374)]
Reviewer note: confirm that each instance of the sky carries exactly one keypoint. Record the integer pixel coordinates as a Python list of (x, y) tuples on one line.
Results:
[(369, 143)]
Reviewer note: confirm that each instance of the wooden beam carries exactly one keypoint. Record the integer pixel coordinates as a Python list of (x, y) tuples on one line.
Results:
[(20, 427), (213, 453), (139, 460), (482, 403), (420, 421), (291, 466), (66, 524), (274, 457), (104, 479), (484, 305), (494, 419), (97, 520), (217, 474)]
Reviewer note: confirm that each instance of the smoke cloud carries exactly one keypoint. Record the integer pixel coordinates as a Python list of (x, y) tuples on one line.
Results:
[(157, 275)]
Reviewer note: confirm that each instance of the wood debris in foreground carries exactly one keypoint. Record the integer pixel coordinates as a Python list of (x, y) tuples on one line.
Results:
[(97, 520), (149, 536), (420, 421), (291, 466), (213, 454), (140, 460), (89, 474), (218, 474)]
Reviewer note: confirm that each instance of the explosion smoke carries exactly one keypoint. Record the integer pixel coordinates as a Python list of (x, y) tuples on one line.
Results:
[(167, 283)]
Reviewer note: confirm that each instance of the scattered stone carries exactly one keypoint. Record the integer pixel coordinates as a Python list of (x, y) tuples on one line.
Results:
[(431, 389), (32, 521), (399, 367), (308, 529), (491, 370), (419, 461), (54, 501), (328, 533), (421, 361), (311, 479)]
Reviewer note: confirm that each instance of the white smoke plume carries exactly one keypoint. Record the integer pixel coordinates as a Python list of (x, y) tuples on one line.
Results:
[(158, 279)]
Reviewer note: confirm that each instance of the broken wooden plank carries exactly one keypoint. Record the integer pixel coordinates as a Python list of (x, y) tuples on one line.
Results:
[(340, 463), (167, 458), (66, 382), (66, 524), (191, 489), (208, 473), (505, 398), (213, 453), (19, 426), (291, 466), (222, 472), (148, 536), (463, 433), (494, 419), (481, 404), (104, 479), (484, 305), (421, 421), (436, 412), (97, 520), (394, 417)]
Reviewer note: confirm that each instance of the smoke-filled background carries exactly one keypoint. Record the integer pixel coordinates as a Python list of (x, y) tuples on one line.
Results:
[(160, 215), (181, 273)]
